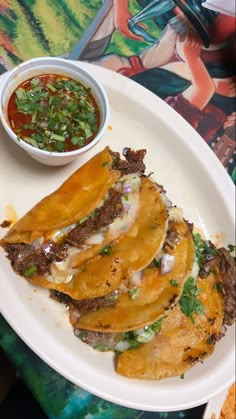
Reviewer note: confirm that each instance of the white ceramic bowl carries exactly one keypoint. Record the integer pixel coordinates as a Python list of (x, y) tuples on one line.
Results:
[(52, 65)]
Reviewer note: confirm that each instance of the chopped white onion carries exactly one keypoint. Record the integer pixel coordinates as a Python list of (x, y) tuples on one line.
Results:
[(195, 269), (176, 214), (37, 243), (136, 279), (95, 239), (122, 224), (46, 247), (117, 186), (122, 346), (74, 316), (63, 271), (166, 200), (43, 124), (63, 231), (59, 275), (130, 182), (167, 263), (126, 205), (126, 187)]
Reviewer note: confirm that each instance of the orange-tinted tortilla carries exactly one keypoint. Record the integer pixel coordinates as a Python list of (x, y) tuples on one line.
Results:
[(180, 344), (156, 293), (77, 197), (101, 275)]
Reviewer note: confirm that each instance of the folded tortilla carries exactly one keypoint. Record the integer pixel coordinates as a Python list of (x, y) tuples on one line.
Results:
[(79, 195), (181, 343), (130, 253), (156, 294)]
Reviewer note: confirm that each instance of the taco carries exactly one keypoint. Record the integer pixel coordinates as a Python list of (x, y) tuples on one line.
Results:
[(187, 330), (77, 197), (182, 341), (157, 289), (87, 251), (132, 251)]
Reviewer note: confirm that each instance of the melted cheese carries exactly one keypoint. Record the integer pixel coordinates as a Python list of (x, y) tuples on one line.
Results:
[(63, 271)]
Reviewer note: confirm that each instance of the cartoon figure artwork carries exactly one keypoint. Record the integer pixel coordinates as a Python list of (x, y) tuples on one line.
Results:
[(178, 49), (188, 62)]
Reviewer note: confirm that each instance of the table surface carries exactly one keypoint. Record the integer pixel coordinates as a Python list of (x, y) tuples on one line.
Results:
[(159, 54)]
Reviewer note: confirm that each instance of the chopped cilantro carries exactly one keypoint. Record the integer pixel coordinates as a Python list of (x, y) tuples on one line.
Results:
[(51, 87), (20, 93), (174, 283), (204, 249), (35, 81), (106, 250), (82, 220), (59, 146), (146, 335), (101, 348), (157, 262), (81, 335), (30, 270), (131, 338), (136, 337), (78, 141), (105, 163), (133, 293), (91, 214), (113, 297), (218, 286), (188, 302), (156, 326), (231, 248)]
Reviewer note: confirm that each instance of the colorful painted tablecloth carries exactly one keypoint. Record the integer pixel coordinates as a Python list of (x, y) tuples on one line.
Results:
[(156, 43)]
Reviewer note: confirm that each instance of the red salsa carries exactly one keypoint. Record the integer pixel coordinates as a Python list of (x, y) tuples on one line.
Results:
[(54, 113)]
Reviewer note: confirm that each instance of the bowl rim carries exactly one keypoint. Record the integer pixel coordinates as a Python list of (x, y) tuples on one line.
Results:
[(98, 87)]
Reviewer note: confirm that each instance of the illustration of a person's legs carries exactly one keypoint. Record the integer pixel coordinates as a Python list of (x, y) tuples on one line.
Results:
[(116, 17), (155, 56)]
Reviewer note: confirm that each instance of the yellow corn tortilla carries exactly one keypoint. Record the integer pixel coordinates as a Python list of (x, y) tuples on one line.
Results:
[(76, 198), (101, 275), (156, 293), (181, 343)]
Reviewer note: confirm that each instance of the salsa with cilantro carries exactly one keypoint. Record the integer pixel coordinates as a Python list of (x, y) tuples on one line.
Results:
[(54, 113)]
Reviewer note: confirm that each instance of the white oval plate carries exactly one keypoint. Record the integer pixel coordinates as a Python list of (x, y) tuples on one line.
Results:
[(194, 179)]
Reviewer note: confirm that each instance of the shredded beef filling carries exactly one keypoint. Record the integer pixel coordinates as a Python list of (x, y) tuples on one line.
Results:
[(214, 338), (193, 360), (133, 163), (95, 339), (86, 305), (210, 258), (5, 224), (103, 216), (227, 270), (189, 225), (160, 188), (172, 237), (222, 258), (23, 256)]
